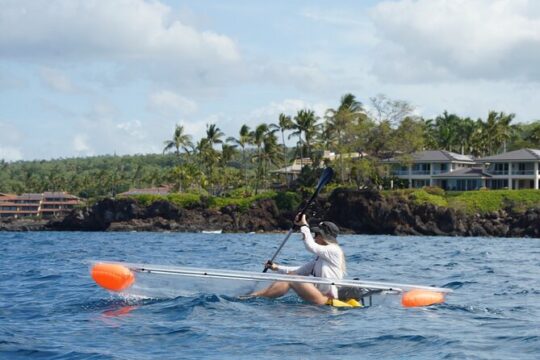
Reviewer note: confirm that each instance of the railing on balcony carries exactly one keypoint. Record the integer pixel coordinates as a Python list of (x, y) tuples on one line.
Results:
[(498, 172), (400, 172), (523, 172), (439, 171), (420, 172)]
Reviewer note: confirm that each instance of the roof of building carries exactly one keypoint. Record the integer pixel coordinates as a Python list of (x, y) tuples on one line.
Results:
[(434, 156), (29, 196), (473, 173), (516, 155), (58, 194)]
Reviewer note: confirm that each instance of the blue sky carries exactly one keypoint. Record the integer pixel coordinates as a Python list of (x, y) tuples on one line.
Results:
[(81, 78)]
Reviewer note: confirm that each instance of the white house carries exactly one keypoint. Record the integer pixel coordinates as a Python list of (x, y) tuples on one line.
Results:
[(517, 169), (433, 168)]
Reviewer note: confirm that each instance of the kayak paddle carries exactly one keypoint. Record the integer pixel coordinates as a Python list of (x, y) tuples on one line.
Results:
[(325, 179)]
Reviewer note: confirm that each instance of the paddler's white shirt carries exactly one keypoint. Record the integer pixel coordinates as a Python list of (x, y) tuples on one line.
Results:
[(327, 264)]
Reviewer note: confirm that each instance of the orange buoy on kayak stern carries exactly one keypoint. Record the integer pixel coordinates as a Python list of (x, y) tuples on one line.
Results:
[(418, 297), (113, 277)]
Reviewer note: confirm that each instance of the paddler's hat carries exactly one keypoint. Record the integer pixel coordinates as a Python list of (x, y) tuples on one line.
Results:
[(328, 230)]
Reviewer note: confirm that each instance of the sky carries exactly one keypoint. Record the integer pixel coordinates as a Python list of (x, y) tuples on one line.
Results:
[(94, 77)]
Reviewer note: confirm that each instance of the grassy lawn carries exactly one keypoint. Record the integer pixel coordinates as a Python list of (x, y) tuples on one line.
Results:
[(481, 201)]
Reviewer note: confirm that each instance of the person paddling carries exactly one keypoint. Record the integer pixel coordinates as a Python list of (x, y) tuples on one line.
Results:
[(329, 262)]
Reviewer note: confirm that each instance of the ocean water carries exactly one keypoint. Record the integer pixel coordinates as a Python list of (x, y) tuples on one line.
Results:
[(51, 309)]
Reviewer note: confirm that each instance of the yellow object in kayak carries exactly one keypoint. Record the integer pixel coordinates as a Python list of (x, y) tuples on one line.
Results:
[(351, 303)]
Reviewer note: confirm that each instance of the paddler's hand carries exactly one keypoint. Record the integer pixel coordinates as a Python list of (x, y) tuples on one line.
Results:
[(270, 265), (300, 220)]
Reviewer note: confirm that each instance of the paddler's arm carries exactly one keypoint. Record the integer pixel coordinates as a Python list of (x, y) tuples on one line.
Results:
[(292, 270), (327, 252)]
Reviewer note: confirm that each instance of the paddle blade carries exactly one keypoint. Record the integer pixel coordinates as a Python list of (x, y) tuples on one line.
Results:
[(326, 176)]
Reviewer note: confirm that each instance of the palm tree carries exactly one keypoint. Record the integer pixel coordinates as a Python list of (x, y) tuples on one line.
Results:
[(258, 139), (340, 120), (267, 152), (227, 153), (465, 131), (446, 130), (213, 134), (284, 123), (243, 140), (179, 140), (305, 123), (533, 135), (505, 131)]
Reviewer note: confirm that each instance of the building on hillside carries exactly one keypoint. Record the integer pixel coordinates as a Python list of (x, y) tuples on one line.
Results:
[(434, 168), (463, 179), (161, 190), (46, 205), (56, 204), (519, 169), (292, 171)]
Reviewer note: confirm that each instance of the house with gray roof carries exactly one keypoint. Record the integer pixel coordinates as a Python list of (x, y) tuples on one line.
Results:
[(517, 169), (441, 168)]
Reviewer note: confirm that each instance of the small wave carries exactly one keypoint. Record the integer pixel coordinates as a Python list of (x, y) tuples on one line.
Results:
[(458, 284), (524, 339), (473, 309)]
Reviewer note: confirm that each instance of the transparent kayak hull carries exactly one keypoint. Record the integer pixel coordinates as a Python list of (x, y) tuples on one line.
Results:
[(159, 281)]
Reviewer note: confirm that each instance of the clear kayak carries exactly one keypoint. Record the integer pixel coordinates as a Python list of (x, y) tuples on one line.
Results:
[(158, 281)]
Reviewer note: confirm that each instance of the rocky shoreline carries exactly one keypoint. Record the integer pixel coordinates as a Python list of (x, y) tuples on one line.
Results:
[(358, 212)]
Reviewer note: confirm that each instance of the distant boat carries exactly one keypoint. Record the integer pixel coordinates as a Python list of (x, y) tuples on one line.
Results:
[(212, 231)]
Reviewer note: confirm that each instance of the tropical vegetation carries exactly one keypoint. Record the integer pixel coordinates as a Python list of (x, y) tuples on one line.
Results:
[(244, 164)]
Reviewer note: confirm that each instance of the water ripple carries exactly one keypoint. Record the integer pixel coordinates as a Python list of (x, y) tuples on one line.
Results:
[(51, 309)]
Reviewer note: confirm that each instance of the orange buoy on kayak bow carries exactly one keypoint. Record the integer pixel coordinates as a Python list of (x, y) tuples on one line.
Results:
[(113, 277), (418, 297)]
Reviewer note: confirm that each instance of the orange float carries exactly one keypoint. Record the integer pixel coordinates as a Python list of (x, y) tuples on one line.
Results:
[(417, 297), (113, 277)]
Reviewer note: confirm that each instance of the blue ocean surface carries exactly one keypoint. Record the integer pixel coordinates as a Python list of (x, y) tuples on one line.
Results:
[(51, 309)]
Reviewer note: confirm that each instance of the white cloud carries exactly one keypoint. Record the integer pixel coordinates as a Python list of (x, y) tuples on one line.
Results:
[(80, 145), (446, 39), (169, 103), (270, 112), (56, 80), (124, 28), (145, 37), (133, 129)]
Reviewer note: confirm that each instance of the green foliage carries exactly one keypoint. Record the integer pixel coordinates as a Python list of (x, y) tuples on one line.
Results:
[(288, 200), (434, 190), (242, 202), (493, 200), (185, 200), (471, 202), (421, 196)]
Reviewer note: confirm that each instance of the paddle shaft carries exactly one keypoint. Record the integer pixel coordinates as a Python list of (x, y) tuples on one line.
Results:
[(325, 178)]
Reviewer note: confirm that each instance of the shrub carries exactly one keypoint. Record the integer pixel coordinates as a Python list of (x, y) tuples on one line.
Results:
[(434, 190), (184, 200), (242, 202), (420, 196), (288, 200)]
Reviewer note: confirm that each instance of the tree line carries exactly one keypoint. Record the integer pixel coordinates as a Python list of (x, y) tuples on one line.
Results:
[(243, 163)]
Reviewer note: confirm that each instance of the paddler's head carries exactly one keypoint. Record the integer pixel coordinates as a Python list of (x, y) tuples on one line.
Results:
[(326, 233)]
